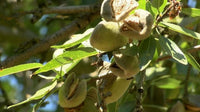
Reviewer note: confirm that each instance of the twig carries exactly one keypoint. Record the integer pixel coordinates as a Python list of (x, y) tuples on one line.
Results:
[(140, 91), (45, 44), (164, 14), (160, 17)]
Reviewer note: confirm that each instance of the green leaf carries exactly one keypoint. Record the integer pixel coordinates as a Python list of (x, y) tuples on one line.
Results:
[(76, 39), (39, 94), (181, 30), (192, 61), (167, 83), (192, 12), (156, 108), (68, 57), (146, 52), (159, 4), (19, 68), (67, 67), (173, 50), (142, 4), (127, 107), (153, 72), (162, 7), (151, 9), (130, 51)]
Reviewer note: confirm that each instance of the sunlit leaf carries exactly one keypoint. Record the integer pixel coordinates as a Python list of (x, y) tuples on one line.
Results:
[(142, 4), (64, 68), (167, 83), (68, 57), (192, 61), (146, 52), (19, 68), (151, 9), (153, 72), (159, 4), (181, 30), (38, 95), (173, 50), (192, 12), (162, 7), (76, 39)]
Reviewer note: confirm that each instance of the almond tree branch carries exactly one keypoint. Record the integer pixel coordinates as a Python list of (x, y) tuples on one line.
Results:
[(45, 44), (63, 10), (70, 9)]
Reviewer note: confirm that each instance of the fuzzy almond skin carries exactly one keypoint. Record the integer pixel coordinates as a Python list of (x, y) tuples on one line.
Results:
[(130, 64), (90, 101), (117, 89), (124, 66), (72, 94), (106, 37)]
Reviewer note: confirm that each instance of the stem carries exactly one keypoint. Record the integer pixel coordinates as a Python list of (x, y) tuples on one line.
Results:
[(186, 82), (160, 17), (101, 104), (140, 91)]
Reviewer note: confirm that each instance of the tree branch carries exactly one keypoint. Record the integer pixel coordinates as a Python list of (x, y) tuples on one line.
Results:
[(63, 10), (45, 44), (70, 9)]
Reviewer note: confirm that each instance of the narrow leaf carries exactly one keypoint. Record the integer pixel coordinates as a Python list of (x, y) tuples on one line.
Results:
[(68, 57), (192, 61), (173, 50), (157, 4), (19, 68), (167, 83), (151, 9), (192, 12), (38, 95), (181, 30), (162, 7), (67, 67), (76, 39), (142, 4), (146, 52)]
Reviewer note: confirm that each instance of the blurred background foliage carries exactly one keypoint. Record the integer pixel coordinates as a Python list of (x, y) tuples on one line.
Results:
[(164, 83)]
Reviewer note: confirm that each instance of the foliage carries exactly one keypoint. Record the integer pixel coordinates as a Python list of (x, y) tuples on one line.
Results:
[(169, 58)]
